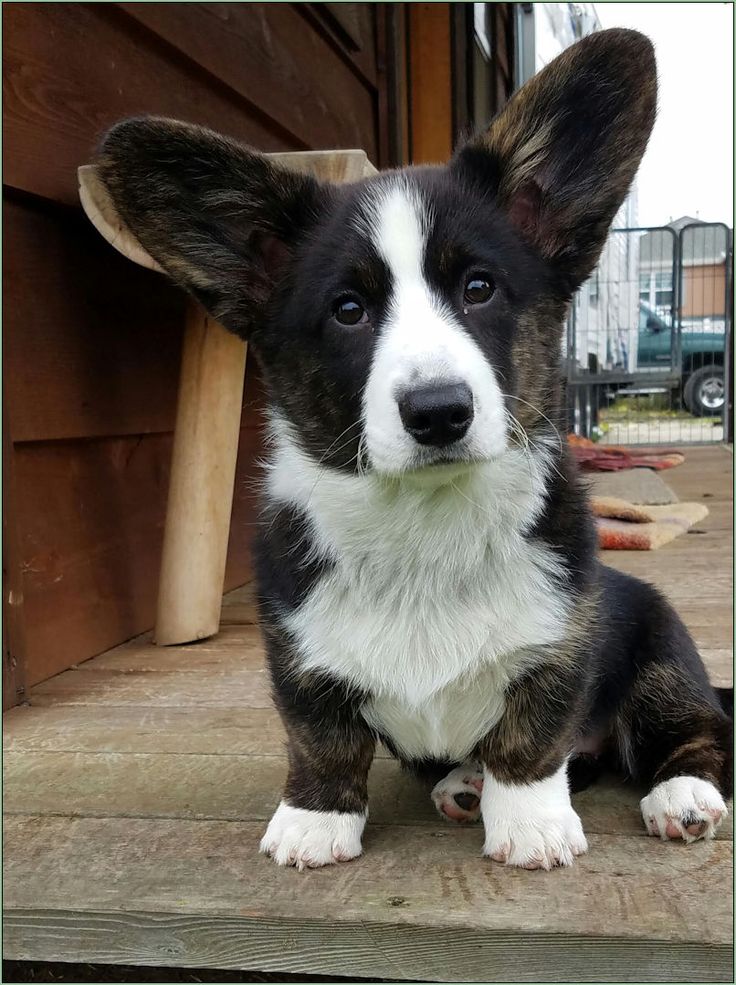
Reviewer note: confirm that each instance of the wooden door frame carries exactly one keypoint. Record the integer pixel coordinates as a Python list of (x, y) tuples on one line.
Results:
[(440, 62), (430, 83)]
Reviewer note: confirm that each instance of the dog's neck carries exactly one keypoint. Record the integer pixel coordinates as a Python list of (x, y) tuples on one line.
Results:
[(356, 519)]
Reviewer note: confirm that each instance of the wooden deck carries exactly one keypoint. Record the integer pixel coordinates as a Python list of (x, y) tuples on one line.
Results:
[(138, 784)]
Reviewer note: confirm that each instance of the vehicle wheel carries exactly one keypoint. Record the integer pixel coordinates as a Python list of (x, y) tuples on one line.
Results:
[(705, 391)]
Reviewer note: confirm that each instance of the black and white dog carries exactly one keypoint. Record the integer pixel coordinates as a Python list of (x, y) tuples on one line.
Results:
[(427, 567)]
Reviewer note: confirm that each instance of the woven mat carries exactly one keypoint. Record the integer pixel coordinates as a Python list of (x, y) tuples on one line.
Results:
[(623, 526)]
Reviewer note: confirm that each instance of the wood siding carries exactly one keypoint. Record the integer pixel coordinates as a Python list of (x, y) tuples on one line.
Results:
[(704, 291), (92, 343)]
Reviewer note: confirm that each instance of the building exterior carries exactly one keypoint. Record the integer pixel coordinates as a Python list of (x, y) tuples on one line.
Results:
[(702, 282), (605, 313)]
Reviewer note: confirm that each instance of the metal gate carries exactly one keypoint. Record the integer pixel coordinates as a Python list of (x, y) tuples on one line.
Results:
[(648, 334)]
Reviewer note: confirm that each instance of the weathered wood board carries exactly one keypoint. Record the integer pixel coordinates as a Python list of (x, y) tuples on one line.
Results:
[(214, 901)]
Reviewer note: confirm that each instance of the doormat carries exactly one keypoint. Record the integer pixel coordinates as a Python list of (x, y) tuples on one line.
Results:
[(624, 526)]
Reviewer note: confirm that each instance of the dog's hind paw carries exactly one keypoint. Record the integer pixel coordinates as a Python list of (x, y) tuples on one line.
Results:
[(684, 807), (457, 797)]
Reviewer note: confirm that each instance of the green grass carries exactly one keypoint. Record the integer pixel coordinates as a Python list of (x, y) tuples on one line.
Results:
[(646, 408)]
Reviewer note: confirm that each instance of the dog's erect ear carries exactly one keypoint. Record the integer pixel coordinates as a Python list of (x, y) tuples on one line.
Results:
[(561, 155), (218, 218)]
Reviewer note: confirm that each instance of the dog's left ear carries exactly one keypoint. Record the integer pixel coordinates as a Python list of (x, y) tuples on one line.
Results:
[(561, 155), (217, 217)]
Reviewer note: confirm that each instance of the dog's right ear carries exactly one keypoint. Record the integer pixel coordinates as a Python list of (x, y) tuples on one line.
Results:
[(218, 218), (561, 155)]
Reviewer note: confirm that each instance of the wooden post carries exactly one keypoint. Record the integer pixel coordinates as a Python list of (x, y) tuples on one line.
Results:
[(202, 480)]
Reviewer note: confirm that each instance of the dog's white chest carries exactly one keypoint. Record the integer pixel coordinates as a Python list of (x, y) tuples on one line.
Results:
[(432, 602), (433, 644)]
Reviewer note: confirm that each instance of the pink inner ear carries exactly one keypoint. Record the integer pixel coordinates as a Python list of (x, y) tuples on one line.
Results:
[(525, 208)]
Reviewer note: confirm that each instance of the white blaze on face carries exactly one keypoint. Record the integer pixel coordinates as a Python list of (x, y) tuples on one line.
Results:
[(422, 342)]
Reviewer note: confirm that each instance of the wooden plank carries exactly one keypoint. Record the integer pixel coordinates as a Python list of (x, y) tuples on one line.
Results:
[(212, 787), (351, 19), (609, 806), (134, 729), (238, 615), (653, 873), (628, 896), (61, 91), (237, 647), (341, 167), (246, 788), (91, 519), (271, 58), (308, 947), (156, 689), (200, 731)]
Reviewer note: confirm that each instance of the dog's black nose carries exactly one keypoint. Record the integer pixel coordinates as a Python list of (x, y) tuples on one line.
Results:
[(437, 415)]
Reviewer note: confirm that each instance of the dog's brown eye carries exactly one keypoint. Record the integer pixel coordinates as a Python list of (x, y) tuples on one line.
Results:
[(477, 290), (350, 312)]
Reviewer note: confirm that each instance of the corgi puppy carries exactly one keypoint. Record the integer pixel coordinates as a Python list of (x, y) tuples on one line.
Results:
[(427, 566)]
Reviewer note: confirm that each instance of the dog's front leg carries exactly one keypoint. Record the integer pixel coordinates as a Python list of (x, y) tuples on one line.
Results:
[(527, 815), (324, 808)]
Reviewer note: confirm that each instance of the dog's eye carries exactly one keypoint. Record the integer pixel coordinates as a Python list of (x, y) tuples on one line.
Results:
[(348, 311), (478, 290)]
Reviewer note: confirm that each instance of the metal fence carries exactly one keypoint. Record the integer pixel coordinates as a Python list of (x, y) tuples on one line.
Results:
[(648, 338)]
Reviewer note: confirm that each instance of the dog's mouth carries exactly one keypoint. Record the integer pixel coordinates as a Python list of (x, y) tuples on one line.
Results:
[(439, 473), (442, 468)]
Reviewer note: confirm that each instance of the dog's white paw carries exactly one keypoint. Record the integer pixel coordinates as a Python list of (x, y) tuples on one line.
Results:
[(541, 842), (532, 825), (457, 797), (684, 807), (309, 839)]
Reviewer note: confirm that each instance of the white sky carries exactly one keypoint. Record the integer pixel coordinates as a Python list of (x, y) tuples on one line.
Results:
[(688, 166)]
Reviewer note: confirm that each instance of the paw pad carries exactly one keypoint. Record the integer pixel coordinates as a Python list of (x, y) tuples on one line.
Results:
[(685, 807), (457, 797)]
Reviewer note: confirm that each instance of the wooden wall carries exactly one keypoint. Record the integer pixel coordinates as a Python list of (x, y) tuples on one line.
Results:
[(91, 342)]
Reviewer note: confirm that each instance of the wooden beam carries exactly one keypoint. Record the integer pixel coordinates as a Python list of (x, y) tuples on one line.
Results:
[(430, 71)]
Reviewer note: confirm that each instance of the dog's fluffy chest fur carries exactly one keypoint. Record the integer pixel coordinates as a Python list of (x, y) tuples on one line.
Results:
[(433, 599)]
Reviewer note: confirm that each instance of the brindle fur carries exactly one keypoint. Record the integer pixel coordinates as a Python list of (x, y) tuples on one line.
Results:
[(541, 185)]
